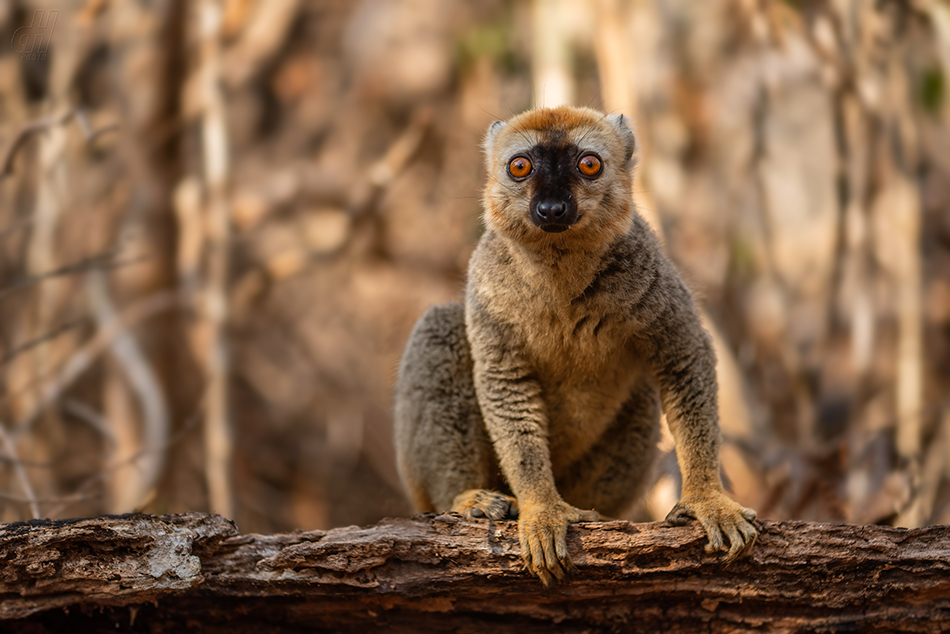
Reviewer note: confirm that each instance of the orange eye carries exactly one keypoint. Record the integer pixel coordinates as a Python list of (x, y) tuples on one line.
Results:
[(590, 165), (519, 167)]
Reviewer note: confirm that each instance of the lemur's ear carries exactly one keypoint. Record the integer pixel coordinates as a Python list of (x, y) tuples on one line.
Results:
[(490, 138), (493, 131), (630, 141)]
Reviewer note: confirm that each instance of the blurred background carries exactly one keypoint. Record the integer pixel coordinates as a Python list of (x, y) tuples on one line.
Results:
[(219, 220)]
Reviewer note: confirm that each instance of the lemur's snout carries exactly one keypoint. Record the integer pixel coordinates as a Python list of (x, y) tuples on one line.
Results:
[(552, 215), (552, 210)]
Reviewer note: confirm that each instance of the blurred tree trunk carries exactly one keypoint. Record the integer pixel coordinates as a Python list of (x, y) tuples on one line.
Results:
[(149, 46)]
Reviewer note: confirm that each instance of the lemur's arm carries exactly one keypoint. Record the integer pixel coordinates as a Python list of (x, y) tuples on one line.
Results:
[(509, 396)]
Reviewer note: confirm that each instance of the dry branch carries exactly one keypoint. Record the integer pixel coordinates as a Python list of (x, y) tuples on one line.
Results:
[(552, 53), (141, 378), (10, 449), (33, 128), (218, 441), (444, 573), (54, 386)]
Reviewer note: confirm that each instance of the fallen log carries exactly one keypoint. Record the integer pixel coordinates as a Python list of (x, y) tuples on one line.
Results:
[(442, 573)]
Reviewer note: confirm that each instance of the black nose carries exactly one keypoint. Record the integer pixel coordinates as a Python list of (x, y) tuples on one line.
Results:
[(551, 210), (553, 214)]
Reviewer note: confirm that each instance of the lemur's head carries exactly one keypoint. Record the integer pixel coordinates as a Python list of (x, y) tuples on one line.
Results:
[(560, 175)]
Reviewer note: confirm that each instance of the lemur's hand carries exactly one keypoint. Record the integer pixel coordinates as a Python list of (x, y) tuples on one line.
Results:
[(542, 529), (721, 518)]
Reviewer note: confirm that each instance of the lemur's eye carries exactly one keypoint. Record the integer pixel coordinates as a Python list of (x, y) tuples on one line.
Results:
[(590, 165), (519, 167)]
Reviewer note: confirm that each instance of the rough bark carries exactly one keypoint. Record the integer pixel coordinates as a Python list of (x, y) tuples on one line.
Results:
[(443, 573)]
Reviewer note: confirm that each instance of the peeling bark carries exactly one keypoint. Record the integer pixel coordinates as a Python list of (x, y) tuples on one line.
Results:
[(110, 560), (444, 573)]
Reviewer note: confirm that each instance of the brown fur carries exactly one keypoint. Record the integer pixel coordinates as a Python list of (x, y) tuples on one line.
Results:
[(549, 383)]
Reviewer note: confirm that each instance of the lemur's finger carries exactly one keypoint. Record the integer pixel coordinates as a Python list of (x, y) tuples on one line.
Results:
[(736, 543), (715, 538), (678, 516)]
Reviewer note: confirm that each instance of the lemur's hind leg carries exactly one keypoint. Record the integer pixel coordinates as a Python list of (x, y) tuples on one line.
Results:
[(446, 460), (486, 503)]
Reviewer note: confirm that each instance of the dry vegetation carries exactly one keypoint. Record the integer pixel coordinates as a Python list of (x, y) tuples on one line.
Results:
[(219, 221)]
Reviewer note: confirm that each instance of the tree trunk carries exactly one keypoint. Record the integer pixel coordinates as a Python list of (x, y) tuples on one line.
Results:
[(444, 573)]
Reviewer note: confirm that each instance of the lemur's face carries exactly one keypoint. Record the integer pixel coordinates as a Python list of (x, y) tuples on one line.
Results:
[(559, 171)]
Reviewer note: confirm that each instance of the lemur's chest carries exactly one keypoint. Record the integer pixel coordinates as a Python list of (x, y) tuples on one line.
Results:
[(573, 333), (570, 345), (586, 368)]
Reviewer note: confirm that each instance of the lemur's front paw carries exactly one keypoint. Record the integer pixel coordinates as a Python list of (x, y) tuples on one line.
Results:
[(721, 518), (542, 530), (482, 503)]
